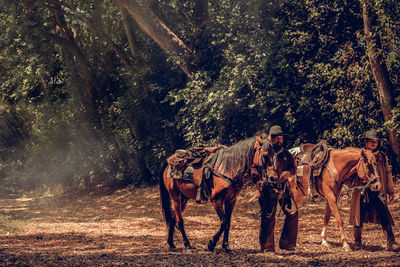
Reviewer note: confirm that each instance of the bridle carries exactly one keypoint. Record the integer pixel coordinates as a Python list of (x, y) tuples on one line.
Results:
[(262, 149), (370, 181)]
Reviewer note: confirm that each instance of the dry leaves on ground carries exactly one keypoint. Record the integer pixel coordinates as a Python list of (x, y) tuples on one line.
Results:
[(127, 228)]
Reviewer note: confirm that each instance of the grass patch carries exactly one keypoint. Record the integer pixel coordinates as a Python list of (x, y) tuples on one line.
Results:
[(7, 224)]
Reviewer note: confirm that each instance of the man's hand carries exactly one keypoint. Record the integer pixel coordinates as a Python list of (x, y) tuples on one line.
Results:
[(284, 176)]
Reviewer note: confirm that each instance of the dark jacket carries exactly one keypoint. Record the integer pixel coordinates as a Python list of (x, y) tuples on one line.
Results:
[(371, 216)]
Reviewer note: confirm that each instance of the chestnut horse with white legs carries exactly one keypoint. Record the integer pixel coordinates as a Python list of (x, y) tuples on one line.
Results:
[(341, 164), (228, 168)]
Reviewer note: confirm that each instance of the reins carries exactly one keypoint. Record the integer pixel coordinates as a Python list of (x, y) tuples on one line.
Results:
[(362, 188), (370, 180)]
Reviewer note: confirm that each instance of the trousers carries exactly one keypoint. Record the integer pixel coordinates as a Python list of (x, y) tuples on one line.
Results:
[(268, 200)]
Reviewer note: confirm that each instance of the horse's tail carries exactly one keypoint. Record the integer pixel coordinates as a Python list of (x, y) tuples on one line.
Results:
[(165, 197)]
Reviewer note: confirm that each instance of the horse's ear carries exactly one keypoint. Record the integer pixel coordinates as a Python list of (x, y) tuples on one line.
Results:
[(260, 140)]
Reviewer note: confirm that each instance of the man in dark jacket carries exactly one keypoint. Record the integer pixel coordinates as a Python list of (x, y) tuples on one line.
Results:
[(278, 191), (371, 207)]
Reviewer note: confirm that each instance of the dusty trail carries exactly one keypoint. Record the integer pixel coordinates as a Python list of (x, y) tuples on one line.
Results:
[(126, 228)]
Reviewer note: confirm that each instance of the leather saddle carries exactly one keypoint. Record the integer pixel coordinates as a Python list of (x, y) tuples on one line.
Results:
[(188, 165), (313, 156), (311, 159)]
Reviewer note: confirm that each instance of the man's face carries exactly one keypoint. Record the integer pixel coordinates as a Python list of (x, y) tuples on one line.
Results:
[(371, 144), (276, 140)]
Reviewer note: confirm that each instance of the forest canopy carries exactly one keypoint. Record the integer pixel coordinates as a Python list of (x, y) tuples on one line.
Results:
[(100, 92)]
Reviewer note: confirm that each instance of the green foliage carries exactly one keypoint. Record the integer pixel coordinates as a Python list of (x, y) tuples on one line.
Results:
[(300, 64), (7, 224)]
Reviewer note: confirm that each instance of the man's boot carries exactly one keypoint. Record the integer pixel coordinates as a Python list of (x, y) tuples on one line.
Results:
[(391, 244), (357, 237)]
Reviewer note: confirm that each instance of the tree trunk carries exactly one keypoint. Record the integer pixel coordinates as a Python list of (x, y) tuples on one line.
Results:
[(93, 24), (129, 32), (65, 38), (200, 20), (200, 14), (381, 76), (159, 32)]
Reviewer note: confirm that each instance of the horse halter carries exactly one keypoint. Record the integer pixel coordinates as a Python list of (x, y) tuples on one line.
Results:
[(263, 149), (372, 182)]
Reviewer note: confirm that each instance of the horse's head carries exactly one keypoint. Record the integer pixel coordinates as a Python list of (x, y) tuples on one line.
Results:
[(264, 162), (270, 166), (367, 170)]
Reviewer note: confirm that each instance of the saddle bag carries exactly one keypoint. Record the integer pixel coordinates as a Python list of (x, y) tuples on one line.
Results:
[(176, 162), (181, 153), (185, 174)]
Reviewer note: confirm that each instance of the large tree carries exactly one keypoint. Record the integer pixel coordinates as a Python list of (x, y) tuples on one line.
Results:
[(160, 33), (381, 76)]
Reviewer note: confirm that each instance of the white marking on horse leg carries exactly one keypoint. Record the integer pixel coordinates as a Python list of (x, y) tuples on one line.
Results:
[(323, 236), (346, 247), (323, 232)]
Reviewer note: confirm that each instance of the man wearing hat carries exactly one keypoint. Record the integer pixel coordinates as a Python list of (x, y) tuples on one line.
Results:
[(273, 192), (372, 205)]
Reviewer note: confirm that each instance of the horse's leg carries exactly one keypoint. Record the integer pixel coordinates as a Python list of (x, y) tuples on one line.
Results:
[(179, 207), (327, 217), (219, 208), (187, 243), (229, 205), (166, 199), (330, 196), (171, 228)]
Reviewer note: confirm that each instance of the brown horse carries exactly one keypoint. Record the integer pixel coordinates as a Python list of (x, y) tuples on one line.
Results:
[(231, 166), (340, 166)]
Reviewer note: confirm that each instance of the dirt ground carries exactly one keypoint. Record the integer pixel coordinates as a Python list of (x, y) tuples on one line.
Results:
[(127, 228)]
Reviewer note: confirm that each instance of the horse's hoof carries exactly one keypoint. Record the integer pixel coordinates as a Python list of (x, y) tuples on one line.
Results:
[(210, 246), (172, 249), (288, 248), (227, 249), (267, 250), (347, 248), (357, 246), (325, 243), (393, 247), (189, 249)]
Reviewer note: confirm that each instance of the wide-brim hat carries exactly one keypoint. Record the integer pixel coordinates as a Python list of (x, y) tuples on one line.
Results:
[(276, 130), (371, 134)]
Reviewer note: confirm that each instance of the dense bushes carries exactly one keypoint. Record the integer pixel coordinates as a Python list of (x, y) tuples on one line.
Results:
[(90, 119)]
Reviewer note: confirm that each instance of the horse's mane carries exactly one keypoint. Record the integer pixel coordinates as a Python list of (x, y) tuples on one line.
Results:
[(234, 160), (350, 149)]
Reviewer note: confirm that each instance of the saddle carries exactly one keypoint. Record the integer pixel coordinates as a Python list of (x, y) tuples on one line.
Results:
[(314, 156), (311, 160), (189, 166)]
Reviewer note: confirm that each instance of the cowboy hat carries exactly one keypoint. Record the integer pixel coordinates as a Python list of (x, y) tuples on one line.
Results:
[(371, 134), (276, 130)]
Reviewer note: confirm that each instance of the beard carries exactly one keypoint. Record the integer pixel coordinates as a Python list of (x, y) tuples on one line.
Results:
[(277, 146)]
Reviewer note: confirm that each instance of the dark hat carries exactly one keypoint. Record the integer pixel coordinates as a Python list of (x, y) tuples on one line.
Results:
[(371, 135), (276, 130)]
